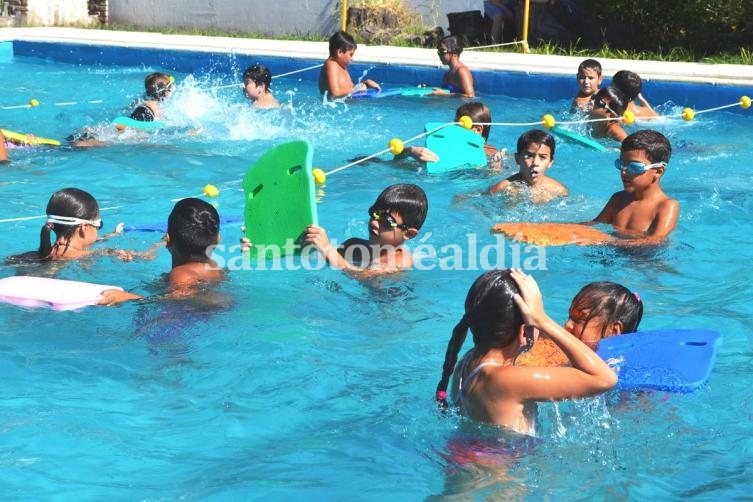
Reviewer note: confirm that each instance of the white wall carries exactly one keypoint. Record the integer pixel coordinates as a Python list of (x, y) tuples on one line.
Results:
[(57, 13), (270, 17)]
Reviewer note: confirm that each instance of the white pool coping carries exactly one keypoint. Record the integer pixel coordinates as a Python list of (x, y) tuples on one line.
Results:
[(714, 74)]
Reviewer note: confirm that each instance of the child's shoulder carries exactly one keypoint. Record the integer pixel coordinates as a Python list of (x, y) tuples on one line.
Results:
[(187, 275)]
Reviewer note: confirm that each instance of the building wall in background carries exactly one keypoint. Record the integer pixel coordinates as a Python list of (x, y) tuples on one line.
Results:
[(300, 17)]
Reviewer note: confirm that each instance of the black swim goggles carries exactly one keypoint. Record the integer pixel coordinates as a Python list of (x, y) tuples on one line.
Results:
[(600, 103), (385, 219)]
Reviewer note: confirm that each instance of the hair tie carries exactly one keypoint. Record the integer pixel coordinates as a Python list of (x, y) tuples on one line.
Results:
[(637, 296), (441, 395)]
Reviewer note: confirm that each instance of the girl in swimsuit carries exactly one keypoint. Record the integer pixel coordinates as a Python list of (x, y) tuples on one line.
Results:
[(459, 79), (599, 310), (505, 312)]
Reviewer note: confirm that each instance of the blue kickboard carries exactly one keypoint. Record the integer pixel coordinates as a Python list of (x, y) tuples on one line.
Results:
[(456, 147), (162, 225), (674, 360), (385, 93), (578, 138)]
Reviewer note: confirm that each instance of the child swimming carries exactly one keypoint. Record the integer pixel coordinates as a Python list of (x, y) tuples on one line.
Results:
[(458, 80), (589, 80), (257, 81), (73, 216), (505, 313), (395, 217), (599, 310), (193, 228), (642, 210), (534, 157), (334, 78)]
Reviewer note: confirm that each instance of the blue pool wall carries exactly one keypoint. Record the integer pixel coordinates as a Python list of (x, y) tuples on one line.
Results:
[(529, 85)]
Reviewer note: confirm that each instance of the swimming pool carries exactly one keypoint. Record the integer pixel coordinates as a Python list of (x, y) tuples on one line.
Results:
[(314, 384)]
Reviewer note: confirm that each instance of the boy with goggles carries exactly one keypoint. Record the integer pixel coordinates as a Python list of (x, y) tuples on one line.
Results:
[(642, 209), (395, 217)]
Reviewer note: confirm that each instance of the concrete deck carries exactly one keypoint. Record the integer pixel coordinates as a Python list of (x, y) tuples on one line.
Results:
[(717, 74)]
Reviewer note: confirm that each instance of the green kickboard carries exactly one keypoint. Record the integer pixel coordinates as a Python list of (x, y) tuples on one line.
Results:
[(578, 138), (456, 147), (280, 199)]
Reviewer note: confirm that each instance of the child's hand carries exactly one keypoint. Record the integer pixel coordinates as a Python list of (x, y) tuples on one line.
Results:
[(317, 236), (115, 296), (436, 91), (529, 301), (499, 156), (245, 245), (245, 242), (372, 84), (422, 154)]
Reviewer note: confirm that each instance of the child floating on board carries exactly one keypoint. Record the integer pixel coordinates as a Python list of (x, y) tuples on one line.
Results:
[(458, 81), (505, 313), (598, 311), (534, 156), (257, 81), (395, 217), (589, 80), (642, 211), (334, 78), (158, 87), (193, 229), (609, 103), (630, 84)]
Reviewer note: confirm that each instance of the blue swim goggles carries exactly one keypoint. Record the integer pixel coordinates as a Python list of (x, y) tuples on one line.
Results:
[(636, 168)]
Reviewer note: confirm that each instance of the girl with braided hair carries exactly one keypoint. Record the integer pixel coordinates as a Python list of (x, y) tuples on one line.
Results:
[(504, 311)]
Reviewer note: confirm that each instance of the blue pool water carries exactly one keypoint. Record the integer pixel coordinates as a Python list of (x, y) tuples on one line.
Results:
[(310, 383)]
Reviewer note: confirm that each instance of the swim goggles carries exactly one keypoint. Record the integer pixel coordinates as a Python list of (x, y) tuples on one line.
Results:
[(636, 168), (442, 52), (385, 219), (600, 103), (71, 221)]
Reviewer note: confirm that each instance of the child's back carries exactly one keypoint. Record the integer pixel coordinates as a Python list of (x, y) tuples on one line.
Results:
[(193, 229)]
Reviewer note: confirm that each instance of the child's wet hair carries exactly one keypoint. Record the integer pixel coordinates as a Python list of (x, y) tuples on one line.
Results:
[(589, 64), (628, 82), (617, 99), (408, 200), (193, 226), (492, 316), (654, 143), (608, 303), (536, 137), (69, 203), (157, 85), (452, 43), (478, 112), (341, 41), (258, 74)]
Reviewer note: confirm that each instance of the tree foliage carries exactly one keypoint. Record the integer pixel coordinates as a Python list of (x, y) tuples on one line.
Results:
[(702, 27)]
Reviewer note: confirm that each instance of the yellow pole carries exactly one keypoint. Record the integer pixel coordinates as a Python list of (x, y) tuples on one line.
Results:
[(526, 12), (344, 15)]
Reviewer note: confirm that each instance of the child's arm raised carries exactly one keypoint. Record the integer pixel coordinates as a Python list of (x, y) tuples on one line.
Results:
[(588, 375)]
